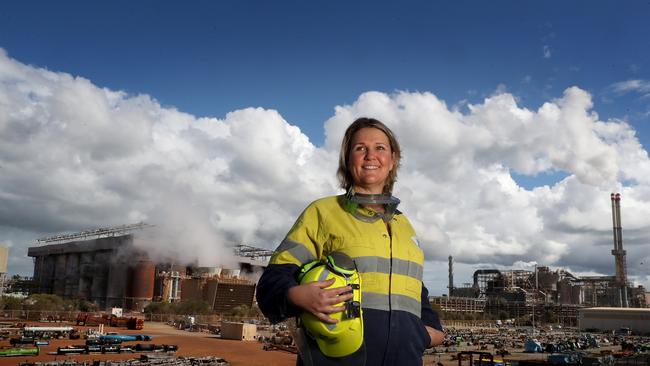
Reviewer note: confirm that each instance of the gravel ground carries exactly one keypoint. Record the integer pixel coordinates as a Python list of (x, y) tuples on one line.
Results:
[(449, 359), (238, 353)]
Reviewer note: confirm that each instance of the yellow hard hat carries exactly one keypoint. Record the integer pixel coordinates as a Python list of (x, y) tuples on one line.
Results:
[(346, 336)]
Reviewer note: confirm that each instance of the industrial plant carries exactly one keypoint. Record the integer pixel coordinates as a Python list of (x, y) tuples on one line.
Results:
[(532, 294), (105, 267)]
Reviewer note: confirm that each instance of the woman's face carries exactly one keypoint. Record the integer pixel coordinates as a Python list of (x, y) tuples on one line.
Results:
[(370, 161)]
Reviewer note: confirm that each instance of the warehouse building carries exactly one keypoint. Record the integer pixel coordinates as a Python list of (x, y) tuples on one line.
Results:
[(612, 319)]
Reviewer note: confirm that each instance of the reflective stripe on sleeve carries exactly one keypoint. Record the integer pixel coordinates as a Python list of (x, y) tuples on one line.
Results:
[(372, 300), (297, 250), (382, 265)]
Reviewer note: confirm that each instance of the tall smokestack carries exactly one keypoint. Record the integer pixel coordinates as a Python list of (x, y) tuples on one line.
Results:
[(614, 221), (618, 252), (451, 275)]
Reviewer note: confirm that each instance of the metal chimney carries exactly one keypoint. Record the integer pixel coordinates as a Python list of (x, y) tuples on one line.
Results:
[(618, 252), (451, 275)]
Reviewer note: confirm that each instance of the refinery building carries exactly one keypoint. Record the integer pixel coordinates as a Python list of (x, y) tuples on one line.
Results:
[(533, 294), (105, 267)]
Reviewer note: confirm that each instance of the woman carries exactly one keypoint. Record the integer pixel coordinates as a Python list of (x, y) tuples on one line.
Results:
[(364, 224)]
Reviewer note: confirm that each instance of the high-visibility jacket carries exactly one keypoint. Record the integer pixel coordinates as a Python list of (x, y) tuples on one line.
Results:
[(394, 300)]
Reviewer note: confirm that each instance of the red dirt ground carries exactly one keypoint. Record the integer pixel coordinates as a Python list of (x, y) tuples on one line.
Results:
[(237, 353)]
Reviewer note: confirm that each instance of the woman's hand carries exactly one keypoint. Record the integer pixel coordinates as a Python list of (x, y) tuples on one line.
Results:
[(317, 299), (436, 336)]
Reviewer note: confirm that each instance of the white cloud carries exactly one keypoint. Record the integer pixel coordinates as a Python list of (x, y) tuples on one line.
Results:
[(634, 85), (75, 156), (458, 191), (547, 51)]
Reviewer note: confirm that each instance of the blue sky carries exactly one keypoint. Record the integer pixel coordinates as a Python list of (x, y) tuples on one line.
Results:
[(302, 58), (199, 102)]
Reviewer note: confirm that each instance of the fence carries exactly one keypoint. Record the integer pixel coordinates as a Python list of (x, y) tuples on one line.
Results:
[(71, 316), (51, 316), (204, 319), (39, 315), (468, 323)]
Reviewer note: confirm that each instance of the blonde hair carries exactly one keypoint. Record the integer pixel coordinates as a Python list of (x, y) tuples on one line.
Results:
[(343, 172)]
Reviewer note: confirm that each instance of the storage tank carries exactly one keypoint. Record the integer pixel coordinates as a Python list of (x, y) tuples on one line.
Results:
[(71, 275), (142, 280), (59, 275), (85, 274), (100, 277), (46, 281), (117, 284)]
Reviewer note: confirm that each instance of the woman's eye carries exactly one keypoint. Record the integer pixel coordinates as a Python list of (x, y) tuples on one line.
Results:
[(360, 148)]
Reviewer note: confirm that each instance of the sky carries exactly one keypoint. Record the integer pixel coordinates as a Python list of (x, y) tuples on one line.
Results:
[(218, 122)]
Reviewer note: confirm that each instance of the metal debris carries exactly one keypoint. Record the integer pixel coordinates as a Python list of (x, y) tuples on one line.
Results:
[(144, 360)]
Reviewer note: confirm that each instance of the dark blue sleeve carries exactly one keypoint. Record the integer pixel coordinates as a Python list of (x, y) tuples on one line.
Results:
[(429, 316), (272, 289)]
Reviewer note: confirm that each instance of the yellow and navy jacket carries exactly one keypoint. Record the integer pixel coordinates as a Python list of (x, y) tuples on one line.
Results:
[(390, 262)]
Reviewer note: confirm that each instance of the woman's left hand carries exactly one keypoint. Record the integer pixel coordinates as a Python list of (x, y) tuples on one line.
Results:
[(436, 336)]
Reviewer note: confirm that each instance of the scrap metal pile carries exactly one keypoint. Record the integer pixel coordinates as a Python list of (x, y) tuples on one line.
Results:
[(281, 340), (549, 342), (566, 347), (110, 320), (114, 348), (112, 343), (25, 341), (144, 360)]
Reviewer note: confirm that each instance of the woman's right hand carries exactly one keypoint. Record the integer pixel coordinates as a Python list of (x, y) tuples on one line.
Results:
[(319, 300)]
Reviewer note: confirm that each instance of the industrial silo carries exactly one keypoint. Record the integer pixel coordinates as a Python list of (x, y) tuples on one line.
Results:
[(142, 277)]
